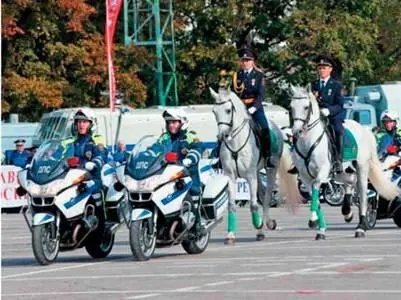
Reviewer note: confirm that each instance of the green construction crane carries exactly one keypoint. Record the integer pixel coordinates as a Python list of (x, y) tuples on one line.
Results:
[(149, 23)]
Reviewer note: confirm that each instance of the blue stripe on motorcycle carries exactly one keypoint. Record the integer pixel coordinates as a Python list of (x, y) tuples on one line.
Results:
[(45, 218), (75, 200), (176, 194), (205, 168), (143, 214)]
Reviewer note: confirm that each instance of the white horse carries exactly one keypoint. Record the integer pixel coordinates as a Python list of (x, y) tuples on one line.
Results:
[(313, 160), (240, 157)]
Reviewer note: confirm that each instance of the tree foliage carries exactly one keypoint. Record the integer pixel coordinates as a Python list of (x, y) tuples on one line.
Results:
[(53, 56), (53, 51)]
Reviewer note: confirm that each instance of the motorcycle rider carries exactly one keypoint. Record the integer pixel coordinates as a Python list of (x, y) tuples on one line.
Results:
[(85, 144), (185, 144), (389, 133)]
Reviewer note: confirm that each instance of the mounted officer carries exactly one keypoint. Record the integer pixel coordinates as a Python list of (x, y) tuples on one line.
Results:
[(249, 84), (328, 92)]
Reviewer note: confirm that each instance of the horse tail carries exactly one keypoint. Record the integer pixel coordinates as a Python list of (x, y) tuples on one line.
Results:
[(381, 183), (288, 182)]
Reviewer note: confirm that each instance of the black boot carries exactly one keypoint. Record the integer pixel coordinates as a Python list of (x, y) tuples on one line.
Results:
[(266, 147), (338, 168)]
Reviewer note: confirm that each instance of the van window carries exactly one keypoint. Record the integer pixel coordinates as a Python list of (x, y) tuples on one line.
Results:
[(363, 117)]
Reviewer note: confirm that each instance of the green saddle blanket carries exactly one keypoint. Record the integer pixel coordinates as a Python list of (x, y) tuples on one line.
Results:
[(350, 146)]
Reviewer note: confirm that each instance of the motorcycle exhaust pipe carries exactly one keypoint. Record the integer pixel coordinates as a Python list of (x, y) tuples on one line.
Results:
[(213, 225)]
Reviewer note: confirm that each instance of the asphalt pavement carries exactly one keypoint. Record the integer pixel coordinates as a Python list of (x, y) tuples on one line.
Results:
[(288, 264)]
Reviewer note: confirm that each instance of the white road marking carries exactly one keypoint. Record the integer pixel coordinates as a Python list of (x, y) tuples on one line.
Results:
[(186, 289), (306, 270), (56, 269), (143, 296), (219, 283), (195, 290)]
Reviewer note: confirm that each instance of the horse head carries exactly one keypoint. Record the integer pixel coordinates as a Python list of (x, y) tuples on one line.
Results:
[(229, 111), (304, 108)]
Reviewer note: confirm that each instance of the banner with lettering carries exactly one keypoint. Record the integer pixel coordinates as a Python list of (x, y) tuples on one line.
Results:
[(9, 184)]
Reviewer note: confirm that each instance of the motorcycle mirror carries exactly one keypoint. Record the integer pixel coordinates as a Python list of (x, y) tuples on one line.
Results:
[(73, 162), (392, 149), (21, 191), (171, 157)]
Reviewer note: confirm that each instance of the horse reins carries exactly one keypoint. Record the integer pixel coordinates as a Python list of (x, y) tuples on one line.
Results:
[(308, 127), (235, 132)]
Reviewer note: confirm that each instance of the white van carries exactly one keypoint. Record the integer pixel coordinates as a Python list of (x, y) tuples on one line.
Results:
[(139, 122)]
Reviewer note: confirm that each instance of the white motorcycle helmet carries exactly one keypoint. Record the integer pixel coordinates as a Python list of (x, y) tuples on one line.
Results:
[(176, 114), (389, 115), (85, 113)]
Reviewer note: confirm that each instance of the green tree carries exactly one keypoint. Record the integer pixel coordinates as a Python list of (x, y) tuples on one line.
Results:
[(53, 56)]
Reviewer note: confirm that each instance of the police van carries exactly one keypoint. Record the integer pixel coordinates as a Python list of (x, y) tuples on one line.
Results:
[(370, 101)]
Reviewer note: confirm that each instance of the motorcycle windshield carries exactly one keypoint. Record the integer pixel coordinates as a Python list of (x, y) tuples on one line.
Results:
[(147, 158), (50, 161)]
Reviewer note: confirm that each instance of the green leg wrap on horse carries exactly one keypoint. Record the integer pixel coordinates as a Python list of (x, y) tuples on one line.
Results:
[(322, 221), (314, 204), (256, 219), (232, 222)]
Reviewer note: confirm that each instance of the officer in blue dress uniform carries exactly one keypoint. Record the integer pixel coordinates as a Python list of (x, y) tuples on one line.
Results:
[(328, 94), (19, 157), (249, 85)]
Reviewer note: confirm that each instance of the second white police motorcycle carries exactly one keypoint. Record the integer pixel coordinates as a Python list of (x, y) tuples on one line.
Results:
[(159, 210)]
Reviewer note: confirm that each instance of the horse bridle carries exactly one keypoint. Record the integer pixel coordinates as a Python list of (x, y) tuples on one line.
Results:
[(306, 127), (230, 124), (305, 121), (235, 132)]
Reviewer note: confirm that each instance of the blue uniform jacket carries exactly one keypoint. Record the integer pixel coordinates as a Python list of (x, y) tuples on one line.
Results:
[(330, 97), (254, 87), (19, 159), (186, 145), (120, 156)]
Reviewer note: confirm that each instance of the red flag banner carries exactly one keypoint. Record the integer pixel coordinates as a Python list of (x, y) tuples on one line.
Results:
[(112, 10)]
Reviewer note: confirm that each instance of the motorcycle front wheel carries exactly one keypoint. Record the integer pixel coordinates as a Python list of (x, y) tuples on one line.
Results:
[(45, 247), (142, 243)]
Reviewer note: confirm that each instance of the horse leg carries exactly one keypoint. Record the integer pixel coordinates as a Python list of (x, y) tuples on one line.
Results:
[(254, 207), (362, 181), (346, 207), (232, 213), (314, 206), (271, 181)]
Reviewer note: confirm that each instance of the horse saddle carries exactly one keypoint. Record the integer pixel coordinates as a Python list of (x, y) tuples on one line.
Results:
[(258, 132), (350, 146)]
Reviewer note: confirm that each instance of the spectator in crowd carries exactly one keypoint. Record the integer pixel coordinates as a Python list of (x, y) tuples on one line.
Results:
[(19, 157), (104, 153), (121, 155)]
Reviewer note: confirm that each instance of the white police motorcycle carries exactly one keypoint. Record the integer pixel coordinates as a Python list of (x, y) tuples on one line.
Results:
[(160, 211), (65, 205)]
